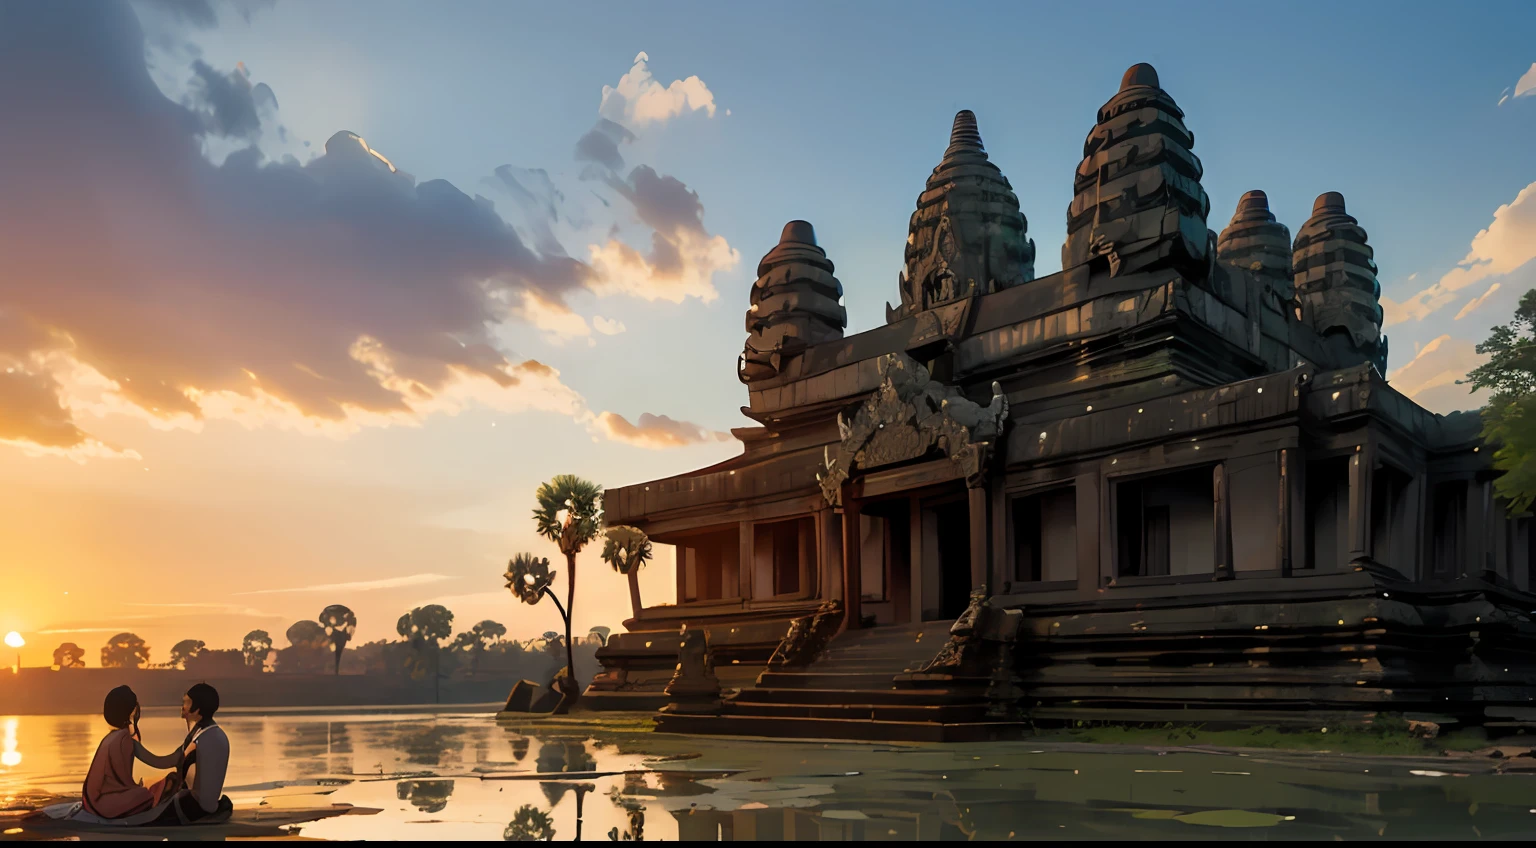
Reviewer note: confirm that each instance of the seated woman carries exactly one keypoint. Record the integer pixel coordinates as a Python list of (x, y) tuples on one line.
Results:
[(110, 789)]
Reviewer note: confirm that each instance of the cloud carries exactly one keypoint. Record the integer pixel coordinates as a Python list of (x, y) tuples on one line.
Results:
[(354, 293), (683, 258), (601, 144), (607, 326), (360, 586), (656, 432), (1507, 244), (555, 319), (228, 103), (1475, 302), (1430, 377), (1527, 82), (639, 99)]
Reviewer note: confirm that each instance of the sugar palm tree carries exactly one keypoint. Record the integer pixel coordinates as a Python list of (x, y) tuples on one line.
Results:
[(339, 623), (569, 513), (628, 549)]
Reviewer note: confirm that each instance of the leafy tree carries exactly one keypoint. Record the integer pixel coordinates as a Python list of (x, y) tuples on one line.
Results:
[(256, 645), (125, 650), (1509, 419), (184, 650), (307, 647), (425, 628), (339, 624), (569, 513), (477, 639), (628, 549), (69, 655), (529, 824), (428, 796)]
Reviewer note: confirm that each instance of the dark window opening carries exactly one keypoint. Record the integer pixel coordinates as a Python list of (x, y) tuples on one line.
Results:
[(784, 557), (1167, 524), (1327, 518), (1448, 510), (1045, 537), (711, 565), (1392, 519)]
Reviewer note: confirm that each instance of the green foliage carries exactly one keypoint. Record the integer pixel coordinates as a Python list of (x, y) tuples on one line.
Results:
[(306, 634), (339, 624), (1386, 735), (528, 576), (529, 824), (125, 650), (569, 512), (477, 639), (1509, 419), (218, 662), (431, 623), (255, 646), (626, 548), (185, 650), (69, 655)]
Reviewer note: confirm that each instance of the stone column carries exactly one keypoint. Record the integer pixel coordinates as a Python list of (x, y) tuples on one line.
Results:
[(853, 583), (981, 536), (1360, 501), (1287, 460), (1222, 503)]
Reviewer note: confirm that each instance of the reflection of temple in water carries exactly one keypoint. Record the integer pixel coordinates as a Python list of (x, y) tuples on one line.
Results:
[(1163, 483)]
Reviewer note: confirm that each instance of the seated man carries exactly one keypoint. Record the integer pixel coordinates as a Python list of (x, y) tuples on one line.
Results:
[(205, 761)]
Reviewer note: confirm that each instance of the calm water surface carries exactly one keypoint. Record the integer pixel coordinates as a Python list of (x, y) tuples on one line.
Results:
[(460, 775)]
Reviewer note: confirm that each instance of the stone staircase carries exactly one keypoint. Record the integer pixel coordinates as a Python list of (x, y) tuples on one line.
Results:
[(859, 688)]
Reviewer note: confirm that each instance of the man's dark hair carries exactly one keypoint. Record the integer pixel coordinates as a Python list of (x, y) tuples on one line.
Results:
[(205, 699)]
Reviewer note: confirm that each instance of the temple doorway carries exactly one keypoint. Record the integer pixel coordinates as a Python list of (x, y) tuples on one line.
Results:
[(885, 551), (946, 559)]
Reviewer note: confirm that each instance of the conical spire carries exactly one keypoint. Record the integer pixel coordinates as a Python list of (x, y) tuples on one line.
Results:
[(1255, 242), (1336, 282), (964, 136), (967, 235), (795, 303), (1137, 197)]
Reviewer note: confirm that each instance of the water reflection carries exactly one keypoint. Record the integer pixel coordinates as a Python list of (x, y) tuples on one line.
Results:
[(529, 824), (598, 784), (429, 796), (9, 756)]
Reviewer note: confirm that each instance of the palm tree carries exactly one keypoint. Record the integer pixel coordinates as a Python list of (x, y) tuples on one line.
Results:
[(339, 623), (256, 645), (628, 549), (425, 628), (569, 514)]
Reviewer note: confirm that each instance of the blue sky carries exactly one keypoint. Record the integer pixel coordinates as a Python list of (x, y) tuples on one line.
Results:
[(831, 112)]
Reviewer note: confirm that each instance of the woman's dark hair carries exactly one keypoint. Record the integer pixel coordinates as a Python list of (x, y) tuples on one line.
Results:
[(205, 699), (119, 706)]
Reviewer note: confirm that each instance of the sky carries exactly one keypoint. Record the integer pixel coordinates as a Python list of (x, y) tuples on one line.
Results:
[(300, 301)]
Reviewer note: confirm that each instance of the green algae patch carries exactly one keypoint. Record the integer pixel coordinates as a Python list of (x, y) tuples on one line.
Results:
[(1232, 818)]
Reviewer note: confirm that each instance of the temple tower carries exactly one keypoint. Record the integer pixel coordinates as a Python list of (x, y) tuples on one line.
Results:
[(796, 303), (1137, 197), (967, 236), (1258, 244), (1336, 283)]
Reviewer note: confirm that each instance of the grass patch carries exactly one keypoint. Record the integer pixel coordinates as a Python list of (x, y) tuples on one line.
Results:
[(1386, 735)]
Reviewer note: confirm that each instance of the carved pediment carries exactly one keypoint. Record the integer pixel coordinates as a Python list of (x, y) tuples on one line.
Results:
[(906, 418)]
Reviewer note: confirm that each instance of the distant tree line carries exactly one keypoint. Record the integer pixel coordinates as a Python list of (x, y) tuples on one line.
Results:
[(427, 648)]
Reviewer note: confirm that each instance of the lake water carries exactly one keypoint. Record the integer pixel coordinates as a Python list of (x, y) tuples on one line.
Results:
[(457, 774)]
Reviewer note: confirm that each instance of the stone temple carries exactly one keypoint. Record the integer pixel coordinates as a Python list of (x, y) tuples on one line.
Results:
[(1169, 482)]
